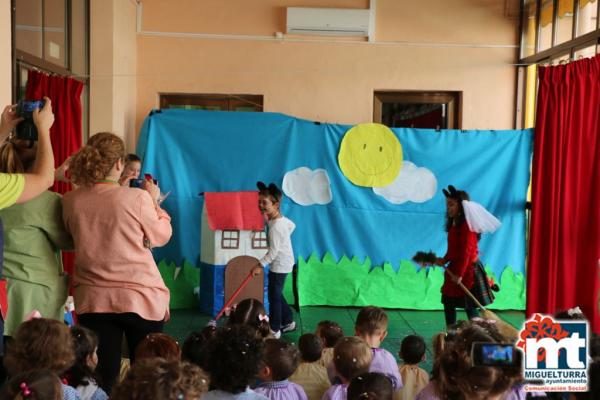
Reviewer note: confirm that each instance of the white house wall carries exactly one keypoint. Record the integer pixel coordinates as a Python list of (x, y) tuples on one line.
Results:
[(207, 240)]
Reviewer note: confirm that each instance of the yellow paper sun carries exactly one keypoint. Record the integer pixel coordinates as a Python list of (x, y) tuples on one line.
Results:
[(370, 155)]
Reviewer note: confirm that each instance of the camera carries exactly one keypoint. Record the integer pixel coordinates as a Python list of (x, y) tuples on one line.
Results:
[(26, 129), (139, 183), (495, 355)]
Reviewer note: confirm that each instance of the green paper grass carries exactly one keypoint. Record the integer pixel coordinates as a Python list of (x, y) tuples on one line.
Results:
[(182, 287), (352, 282)]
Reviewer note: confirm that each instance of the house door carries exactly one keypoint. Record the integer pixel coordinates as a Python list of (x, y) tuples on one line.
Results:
[(236, 270)]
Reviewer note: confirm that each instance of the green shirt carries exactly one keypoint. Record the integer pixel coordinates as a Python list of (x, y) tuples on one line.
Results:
[(11, 187), (34, 234)]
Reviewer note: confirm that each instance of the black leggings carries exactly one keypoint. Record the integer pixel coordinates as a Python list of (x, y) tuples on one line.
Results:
[(450, 313), (110, 328)]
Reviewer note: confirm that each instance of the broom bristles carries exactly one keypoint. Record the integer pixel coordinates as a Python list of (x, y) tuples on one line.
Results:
[(507, 330)]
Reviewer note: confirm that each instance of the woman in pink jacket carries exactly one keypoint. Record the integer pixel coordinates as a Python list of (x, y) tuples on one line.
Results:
[(116, 285)]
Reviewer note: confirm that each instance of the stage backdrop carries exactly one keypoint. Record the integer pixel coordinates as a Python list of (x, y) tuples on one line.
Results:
[(355, 247)]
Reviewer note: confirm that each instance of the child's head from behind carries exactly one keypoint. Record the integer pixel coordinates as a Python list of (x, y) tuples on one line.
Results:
[(412, 349), (158, 345), (371, 322), (157, 378), (36, 384), (251, 312), (351, 357), (86, 359), (311, 347), (371, 386), (133, 166), (234, 357), (40, 343), (195, 347), (330, 332), (280, 360), (456, 375)]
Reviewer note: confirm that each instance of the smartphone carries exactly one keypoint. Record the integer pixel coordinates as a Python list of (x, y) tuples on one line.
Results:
[(495, 355), (139, 183)]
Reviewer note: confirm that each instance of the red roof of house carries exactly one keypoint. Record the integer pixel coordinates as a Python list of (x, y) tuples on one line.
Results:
[(233, 211)]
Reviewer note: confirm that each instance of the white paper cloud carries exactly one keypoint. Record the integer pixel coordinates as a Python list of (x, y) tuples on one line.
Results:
[(416, 184), (307, 187)]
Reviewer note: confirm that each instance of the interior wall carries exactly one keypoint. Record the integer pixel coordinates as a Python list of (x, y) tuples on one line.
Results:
[(5, 54), (456, 45), (113, 61)]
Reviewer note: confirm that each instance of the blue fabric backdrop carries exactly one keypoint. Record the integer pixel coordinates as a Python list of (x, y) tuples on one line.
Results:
[(192, 151)]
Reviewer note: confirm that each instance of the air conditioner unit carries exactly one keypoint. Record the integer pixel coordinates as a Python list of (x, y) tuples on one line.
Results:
[(328, 21)]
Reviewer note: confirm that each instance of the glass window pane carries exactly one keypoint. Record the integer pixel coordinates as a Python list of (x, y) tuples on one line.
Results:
[(564, 24), (55, 35), (588, 14), (546, 23), (79, 37), (558, 59), (588, 51), (529, 31), (28, 26)]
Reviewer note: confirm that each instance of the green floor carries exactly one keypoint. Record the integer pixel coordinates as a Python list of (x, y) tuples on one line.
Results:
[(401, 324)]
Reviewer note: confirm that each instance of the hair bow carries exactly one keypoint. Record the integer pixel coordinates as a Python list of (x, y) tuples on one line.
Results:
[(25, 389), (574, 311), (263, 317)]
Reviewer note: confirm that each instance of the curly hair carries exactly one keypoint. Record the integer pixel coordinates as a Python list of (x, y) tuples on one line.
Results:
[(94, 161), (41, 385), (86, 343), (330, 332), (234, 357), (158, 345), (157, 378), (457, 378), (352, 357), (40, 344), (248, 312), (281, 357), (371, 386), (371, 320), (195, 347)]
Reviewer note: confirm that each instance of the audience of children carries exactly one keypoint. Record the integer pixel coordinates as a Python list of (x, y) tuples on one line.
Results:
[(45, 344), (414, 379), (251, 312), (82, 374), (158, 345), (195, 346), (233, 361), (329, 332), (157, 378), (35, 384), (371, 386), (311, 374), (371, 326), (352, 356), (280, 360)]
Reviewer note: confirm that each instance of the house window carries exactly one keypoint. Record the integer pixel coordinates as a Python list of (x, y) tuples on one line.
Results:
[(259, 240), (230, 239)]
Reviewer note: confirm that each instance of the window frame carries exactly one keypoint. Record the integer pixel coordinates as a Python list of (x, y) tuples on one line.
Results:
[(226, 102), (234, 238), (259, 240)]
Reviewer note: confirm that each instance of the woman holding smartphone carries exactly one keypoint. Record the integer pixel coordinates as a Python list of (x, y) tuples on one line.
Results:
[(117, 286)]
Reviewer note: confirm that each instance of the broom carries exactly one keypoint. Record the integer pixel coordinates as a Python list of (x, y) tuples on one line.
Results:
[(213, 322), (506, 329)]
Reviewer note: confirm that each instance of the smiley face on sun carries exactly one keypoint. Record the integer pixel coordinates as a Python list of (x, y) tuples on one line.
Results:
[(370, 155)]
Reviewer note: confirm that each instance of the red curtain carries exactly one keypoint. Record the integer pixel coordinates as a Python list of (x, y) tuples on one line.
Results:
[(66, 132), (565, 217)]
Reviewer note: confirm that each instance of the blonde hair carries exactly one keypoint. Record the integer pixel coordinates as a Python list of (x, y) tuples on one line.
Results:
[(14, 158), (94, 161)]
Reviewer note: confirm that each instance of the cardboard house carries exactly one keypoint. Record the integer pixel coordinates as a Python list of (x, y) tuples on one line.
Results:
[(233, 239)]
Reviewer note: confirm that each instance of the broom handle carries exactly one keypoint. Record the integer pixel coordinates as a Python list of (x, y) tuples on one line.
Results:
[(234, 295), (467, 291)]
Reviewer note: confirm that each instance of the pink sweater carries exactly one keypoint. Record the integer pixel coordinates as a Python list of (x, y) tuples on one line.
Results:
[(114, 271)]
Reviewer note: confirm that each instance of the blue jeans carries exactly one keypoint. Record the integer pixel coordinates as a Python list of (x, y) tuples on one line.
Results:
[(280, 312)]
